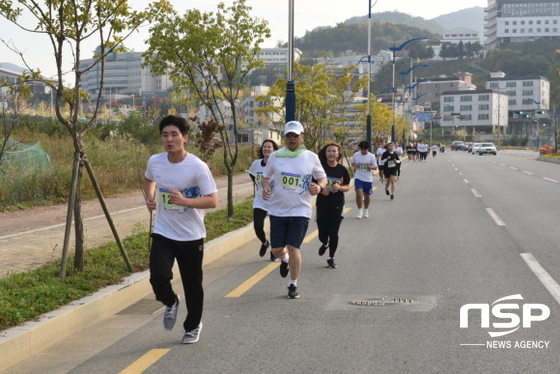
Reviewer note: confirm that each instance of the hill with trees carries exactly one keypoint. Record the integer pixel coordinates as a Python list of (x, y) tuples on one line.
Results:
[(471, 18), (399, 18)]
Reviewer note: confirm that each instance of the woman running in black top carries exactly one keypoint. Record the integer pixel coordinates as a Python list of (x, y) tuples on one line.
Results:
[(330, 201), (391, 160)]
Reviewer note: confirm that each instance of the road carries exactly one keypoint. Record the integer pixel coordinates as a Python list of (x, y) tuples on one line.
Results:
[(462, 230)]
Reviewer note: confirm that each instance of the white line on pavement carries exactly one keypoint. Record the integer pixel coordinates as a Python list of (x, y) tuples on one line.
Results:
[(511, 167), (527, 172), (545, 278), (550, 180), (456, 169), (475, 192), (466, 181), (495, 217), (502, 164), (460, 173)]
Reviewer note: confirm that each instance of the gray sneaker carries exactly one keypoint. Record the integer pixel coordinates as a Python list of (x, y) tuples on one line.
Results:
[(170, 315), (192, 336)]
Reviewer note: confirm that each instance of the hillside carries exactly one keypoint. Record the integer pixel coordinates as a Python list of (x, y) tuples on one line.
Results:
[(400, 18), (471, 18)]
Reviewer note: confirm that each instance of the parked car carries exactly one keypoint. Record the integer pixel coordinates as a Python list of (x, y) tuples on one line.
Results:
[(458, 146), (487, 148), (475, 147)]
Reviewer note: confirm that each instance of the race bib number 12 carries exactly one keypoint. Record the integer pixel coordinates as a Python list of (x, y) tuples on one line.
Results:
[(168, 206)]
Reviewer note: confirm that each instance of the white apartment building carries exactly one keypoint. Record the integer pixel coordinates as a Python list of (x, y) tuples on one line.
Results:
[(277, 56), (461, 34), (521, 20), (528, 94), (429, 93), (124, 75), (478, 110)]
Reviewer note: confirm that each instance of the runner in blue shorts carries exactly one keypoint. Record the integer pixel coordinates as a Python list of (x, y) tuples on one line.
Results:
[(364, 162)]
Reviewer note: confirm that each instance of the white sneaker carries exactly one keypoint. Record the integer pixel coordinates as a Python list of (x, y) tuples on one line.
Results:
[(366, 213), (359, 216)]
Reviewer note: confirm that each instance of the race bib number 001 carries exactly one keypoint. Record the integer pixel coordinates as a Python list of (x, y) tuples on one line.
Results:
[(168, 206), (290, 181)]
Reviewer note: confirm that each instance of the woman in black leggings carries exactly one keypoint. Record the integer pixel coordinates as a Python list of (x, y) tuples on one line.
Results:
[(330, 201), (260, 206)]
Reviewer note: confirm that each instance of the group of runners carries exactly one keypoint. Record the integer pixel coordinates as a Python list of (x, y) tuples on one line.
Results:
[(420, 150), (180, 187)]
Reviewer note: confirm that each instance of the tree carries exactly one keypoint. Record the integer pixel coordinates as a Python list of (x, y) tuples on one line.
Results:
[(67, 25), (210, 54)]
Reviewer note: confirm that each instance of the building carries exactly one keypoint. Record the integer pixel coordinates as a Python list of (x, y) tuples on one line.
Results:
[(528, 94), (481, 111), (461, 34), (521, 20), (277, 56), (124, 75), (428, 93)]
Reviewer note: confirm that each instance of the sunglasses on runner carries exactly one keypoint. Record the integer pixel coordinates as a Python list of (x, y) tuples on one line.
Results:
[(292, 135)]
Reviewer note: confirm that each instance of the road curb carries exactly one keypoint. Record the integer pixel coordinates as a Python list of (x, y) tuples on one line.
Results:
[(21, 342), (552, 160)]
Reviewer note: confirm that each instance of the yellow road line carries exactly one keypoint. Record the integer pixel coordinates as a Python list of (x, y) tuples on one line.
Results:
[(145, 361), (347, 210), (311, 236), (245, 286)]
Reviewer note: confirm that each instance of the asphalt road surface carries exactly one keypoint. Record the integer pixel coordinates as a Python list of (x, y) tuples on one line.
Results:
[(462, 230)]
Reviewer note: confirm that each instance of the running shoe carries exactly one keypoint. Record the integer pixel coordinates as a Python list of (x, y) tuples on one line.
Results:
[(170, 315), (192, 336), (359, 216), (331, 264), (323, 249), (292, 292), (263, 248), (387, 192), (272, 257), (392, 196), (284, 269), (366, 213)]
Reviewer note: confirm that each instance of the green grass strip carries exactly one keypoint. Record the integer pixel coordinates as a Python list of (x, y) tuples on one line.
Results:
[(25, 296)]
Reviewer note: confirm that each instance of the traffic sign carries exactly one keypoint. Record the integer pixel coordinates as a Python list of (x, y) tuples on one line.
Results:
[(424, 117)]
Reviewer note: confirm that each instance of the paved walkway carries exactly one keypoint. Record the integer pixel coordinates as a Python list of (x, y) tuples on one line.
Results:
[(33, 237)]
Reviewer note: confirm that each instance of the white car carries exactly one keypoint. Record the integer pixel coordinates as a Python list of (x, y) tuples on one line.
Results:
[(475, 148), (487, 148)]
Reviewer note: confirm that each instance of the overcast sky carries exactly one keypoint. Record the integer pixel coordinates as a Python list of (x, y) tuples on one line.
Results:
[(308, 15)]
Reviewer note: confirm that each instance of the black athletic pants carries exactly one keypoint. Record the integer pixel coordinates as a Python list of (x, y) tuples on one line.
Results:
[(189, 255), (328, 223), (258, 223)]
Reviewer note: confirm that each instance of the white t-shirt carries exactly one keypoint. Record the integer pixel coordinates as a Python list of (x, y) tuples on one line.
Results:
[(399, 151), (193, 178), (423, 148), (257, 170), (379, 152), (363, 173), (434, 148), (292, 177)]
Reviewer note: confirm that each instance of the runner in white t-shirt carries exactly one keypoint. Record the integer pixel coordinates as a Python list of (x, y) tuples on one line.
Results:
[(180, 186), (434, 148), (378, 154), (260, 205), (423, 150), (400, 152), (364, 163), (292, 169)]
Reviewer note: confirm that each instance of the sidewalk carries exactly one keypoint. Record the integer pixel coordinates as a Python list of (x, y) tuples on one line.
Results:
[(33, 237)]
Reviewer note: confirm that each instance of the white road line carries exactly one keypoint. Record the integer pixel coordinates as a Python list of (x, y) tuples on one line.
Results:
[(456, 169), (495, 217), (551, 180), (545, 278), (460, 173), (466, 181), (511, 167), (502, 164), (494, 161), (475, 192), (526, 172)]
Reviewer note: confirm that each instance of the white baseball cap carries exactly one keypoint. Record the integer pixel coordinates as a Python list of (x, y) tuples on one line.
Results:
[(293, 126)]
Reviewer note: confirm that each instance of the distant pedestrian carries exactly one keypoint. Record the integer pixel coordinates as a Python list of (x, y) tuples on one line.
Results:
[(364, 162), (330, 201), (434, 148), (378, 154), (292, 169), (180, 186), (391, 160), (260, 205), (400, 152), (423, 150)]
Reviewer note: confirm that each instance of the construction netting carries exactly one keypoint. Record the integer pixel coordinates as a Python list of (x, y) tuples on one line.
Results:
[(25, 173)]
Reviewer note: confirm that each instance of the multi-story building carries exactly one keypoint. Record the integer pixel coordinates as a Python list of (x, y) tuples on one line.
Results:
[(480, 111), (527, 94), (428, 93), (521, 20), (277, 56), (124, 75), (461, 34)]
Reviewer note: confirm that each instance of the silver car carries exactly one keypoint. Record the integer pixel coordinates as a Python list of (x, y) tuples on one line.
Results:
[(475, 148), (487, 148)]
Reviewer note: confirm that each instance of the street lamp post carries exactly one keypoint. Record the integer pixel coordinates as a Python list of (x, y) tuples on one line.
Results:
[(291, 85), (396, 49), (368, 118)]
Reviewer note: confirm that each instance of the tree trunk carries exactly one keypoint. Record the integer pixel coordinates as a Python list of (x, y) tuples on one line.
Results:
[(79, 225), (230, 192)]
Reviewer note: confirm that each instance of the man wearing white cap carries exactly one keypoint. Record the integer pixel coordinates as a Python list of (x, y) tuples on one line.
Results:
[(291, 170)]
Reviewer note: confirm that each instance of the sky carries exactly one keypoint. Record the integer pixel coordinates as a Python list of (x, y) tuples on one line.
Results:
[(308, 14)]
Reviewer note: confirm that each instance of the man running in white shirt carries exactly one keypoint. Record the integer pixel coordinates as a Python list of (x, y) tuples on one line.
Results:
[(378, 154), (364, 162), (292, 169)]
